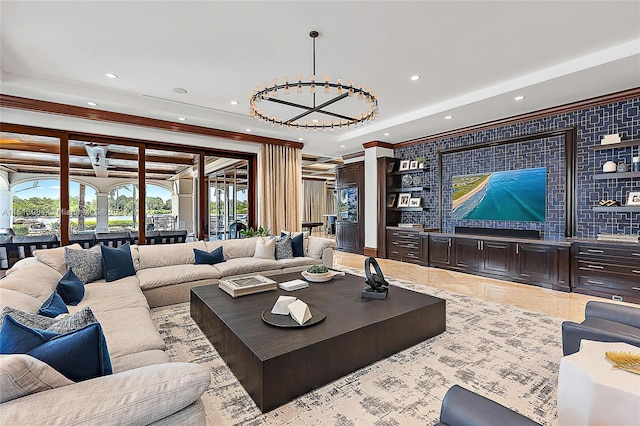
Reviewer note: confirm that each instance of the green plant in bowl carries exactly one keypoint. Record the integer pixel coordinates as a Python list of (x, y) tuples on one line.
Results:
[(318, 269)]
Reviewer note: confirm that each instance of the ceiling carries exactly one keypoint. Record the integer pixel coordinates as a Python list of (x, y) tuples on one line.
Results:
[(473, 58)]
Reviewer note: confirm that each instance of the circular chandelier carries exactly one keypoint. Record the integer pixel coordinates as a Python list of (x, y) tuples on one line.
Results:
[(335, 121)]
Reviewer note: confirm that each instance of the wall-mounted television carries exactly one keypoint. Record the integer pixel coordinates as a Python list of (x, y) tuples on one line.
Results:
[(518, 195)]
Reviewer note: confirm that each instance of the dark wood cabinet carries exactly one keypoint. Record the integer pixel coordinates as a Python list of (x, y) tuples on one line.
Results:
[(347, 237), (404, 245), (424, 249), (496, 257), (439, 251), (608, 270), (467, 254), (540, 264)]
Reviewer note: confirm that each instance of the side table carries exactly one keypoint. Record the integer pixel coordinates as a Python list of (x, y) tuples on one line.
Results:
[(592, 392)]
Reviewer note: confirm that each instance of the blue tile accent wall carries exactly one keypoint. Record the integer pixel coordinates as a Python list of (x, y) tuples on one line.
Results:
[(591, 123)]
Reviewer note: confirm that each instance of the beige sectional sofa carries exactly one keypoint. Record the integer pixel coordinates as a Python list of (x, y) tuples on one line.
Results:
[(145, 387)]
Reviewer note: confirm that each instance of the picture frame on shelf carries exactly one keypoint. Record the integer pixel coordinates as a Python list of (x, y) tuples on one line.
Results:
[(404, 165), (413, 165), (403, 200), (415, 202), (390, 167), (633, 198), (391, 200)]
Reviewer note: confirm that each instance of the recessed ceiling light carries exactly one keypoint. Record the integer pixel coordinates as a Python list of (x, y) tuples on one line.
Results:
[(415, 77), (111, 75), (92, 103), (300, 139), (519, 98), (179, 90), (248, 130), (315, 121), (343, 146), (234, 102), (448, 117), (386, 134), (181, 118)]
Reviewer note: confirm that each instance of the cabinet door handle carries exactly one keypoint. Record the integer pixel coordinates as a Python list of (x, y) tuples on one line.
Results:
[(595, 251), (635, 288), (449, 242), (394, 252), (479, 245), (595, 267), (600, 283), (525, 275), (517, 248), (635, 254), (635, 271)]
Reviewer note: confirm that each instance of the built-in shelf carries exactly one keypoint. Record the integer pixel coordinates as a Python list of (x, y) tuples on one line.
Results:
[(408, 209), (621, 175), (624, 144), (404, 172), (617, 209), (408, 189)]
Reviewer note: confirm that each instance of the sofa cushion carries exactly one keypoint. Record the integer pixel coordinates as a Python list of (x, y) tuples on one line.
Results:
[(22, 375), (53, 306), (305, 241), (157, 255), (31, 277), (209, 258), (177, 274), (117, 262), (242, 266), (298, 261), (54, 257), (136, 397), (284, 250), (18, 300), (265, 248), (102, 296), (28, 319), (243, 247), (79, 355), (317, 246), (139, 359), (86, 264), (128, 331), (70, 288)]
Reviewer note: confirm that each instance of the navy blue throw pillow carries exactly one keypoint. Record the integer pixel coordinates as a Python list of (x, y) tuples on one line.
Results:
[(70, 288), (117, 262), (206, 258), (297, 244), (53, 306), (79, 355)]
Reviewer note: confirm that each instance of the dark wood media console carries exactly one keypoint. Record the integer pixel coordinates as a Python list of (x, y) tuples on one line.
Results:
[(276, 365)]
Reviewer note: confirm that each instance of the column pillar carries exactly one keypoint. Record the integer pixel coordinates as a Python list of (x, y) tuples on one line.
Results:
[(102, 212), (5, 208), (182, 204), (372, 151)]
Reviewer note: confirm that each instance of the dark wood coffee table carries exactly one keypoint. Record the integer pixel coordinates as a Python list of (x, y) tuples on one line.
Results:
[(276, 365)]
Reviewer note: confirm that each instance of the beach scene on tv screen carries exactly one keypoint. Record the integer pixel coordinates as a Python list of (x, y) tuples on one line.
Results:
[(518, 195)]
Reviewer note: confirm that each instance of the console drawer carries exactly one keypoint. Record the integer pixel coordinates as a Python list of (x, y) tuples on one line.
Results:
[(593, 250), (600, 267)]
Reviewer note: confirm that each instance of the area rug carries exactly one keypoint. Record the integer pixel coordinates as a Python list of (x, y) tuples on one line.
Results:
[(504, 353)]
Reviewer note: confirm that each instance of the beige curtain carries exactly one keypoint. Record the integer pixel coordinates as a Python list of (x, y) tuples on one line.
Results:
[(315, 200), (280, 188)]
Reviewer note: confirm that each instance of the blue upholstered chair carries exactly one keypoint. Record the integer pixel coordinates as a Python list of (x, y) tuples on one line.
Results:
[(603, 322), (462, 407)]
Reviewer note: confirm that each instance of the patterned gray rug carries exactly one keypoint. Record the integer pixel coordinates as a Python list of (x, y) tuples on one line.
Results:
[(507, 354)]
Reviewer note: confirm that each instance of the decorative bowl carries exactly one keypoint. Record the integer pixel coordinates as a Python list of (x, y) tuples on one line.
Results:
[(321, 277), (318, 277)]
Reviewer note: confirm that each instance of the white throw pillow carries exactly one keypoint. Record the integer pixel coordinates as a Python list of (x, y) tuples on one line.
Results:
[(317, 246), (22, 375), (265, 248)]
